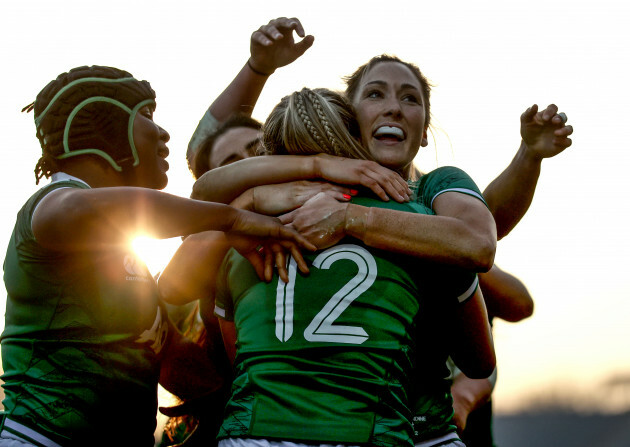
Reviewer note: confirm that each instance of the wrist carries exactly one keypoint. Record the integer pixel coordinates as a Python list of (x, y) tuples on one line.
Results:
[(528, 154), (316, 168), (246, 201), (258, 70), (356, 221), (230, 217)]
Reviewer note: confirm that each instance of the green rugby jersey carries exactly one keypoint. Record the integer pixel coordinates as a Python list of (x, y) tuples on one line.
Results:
[(327, 357), (430, 391), (83, 333)]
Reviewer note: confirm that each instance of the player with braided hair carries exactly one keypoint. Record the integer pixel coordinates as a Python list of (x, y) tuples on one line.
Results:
[(326, 358), (86, 336), (310, 122), (376, 92)]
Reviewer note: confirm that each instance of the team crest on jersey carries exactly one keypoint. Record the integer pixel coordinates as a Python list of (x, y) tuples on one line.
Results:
[(135, 268), (157, 334)]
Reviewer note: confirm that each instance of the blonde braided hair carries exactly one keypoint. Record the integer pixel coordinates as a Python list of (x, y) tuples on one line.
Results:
[(309, 122), (301, 110)]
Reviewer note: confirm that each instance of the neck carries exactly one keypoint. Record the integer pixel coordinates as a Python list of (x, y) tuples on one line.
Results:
[(94, 173)]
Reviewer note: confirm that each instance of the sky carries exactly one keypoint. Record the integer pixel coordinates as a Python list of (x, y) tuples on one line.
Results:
[(488, 60)]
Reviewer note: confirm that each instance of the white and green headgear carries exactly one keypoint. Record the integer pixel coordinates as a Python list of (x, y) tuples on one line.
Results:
[(90, 110)]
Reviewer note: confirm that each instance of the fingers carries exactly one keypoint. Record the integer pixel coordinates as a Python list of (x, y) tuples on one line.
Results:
[(280, 261), (386, 183), (305, 44), (256, 260), (288, 233), (276, 255), (376, 188), (564, 131), (299, 259), (287, 219), (549, 112), (260, 38), (337, 192), (268, 272), (529, 114), (266, 35)]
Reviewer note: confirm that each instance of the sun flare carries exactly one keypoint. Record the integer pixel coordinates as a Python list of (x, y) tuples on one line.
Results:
[(156, 253)]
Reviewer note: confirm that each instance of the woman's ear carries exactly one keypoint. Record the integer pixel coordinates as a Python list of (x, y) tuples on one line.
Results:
[(425, 141)]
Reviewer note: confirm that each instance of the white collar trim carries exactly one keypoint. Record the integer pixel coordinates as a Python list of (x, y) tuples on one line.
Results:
[(61, 176)]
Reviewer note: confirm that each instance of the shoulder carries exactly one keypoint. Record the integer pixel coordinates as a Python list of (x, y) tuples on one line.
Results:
[(444, 179)]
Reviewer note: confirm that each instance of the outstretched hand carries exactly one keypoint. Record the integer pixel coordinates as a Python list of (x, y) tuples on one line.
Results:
[(272, 45), (545, 133), (264, 241)]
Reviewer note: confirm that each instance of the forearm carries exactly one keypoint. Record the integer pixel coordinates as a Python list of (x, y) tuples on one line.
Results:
[(87, 219), (468, 395), (226, 183), (505, 295), (443, 239), (472, 345), (240, 96), (191, 272), (511, 193)]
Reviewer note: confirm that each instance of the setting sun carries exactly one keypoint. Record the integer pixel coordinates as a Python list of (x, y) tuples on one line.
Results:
[(155, 253)]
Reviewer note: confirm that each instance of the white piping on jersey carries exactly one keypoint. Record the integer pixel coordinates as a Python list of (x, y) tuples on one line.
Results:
[(251, 442), (219, 311), (62, 176), (467, 191), (57, 177), (29, 435), (469, 292), (438, 441)]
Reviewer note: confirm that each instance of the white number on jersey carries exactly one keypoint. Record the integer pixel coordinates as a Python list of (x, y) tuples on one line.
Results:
[(322, 327)]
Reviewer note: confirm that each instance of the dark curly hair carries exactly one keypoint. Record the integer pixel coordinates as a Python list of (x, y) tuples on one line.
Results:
[(200, 164), (89, 111)]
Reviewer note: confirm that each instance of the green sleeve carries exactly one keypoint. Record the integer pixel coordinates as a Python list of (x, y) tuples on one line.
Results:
[(441, 180), (223, 304)]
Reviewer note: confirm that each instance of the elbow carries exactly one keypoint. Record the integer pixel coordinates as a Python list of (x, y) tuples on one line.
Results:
[(482, 368), (527, 309), (483, 254), (196, 191), (171, 291)]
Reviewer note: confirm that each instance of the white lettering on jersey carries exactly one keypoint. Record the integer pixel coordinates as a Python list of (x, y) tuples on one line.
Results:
[(136, 269)]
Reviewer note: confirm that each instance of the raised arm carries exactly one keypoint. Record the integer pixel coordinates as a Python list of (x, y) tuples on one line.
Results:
[(509, 196), (272, 46)]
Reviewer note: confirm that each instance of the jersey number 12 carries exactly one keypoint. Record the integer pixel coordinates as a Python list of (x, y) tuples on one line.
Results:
[(322, 327)]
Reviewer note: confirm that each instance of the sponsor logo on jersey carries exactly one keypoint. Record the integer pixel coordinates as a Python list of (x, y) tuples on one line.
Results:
[(136, 270)]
